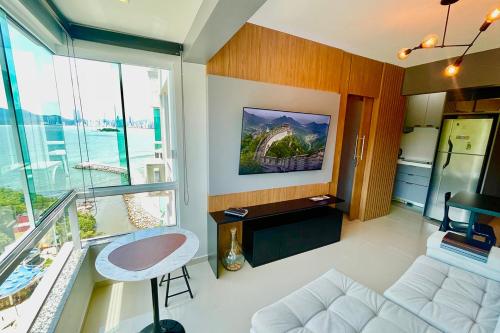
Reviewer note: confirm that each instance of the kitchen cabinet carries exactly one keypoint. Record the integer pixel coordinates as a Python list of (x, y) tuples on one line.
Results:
[(425, 110), (412, 184)]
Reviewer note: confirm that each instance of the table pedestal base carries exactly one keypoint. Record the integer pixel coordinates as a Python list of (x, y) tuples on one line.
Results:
[(166, 326), (160, 326)]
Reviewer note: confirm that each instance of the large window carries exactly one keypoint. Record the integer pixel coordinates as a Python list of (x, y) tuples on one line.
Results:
[(14, 219), (91, 106), (145, 92), (82, 124), (38, 118), (102, 129)]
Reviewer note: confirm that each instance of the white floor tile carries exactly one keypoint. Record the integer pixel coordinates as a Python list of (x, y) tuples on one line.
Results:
[(375, 253)]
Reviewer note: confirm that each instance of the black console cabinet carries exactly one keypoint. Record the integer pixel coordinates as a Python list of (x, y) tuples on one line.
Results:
[(276, 231), (277, 237)]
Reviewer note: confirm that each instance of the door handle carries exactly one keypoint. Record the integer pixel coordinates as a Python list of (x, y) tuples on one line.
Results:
[(355, 157), (362, 148), (448, 154)]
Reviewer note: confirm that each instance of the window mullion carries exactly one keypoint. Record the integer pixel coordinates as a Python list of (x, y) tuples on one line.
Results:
[(14, 103), (124, 122)]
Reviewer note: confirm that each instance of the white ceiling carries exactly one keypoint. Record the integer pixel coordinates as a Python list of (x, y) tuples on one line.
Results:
[(168, 20), (379, 28)]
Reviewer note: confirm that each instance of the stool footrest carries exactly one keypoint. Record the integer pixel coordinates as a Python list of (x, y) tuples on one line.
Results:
[(185, 275)]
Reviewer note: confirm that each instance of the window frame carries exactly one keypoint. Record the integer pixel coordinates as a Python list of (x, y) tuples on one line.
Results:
[(111, 55), (105, 191), (10, 259)]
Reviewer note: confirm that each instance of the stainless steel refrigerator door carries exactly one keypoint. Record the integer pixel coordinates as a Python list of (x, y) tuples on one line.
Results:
[(461, 173), (470, 136), (445, 134)]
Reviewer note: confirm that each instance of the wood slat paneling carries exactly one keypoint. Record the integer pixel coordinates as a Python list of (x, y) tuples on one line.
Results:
[(344, 88), (245, 199), (385, 136), (365, 76), (262, 54), (359, 181)]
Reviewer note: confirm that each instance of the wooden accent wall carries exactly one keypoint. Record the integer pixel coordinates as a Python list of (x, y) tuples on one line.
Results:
[(383, 145), (261, 54), (242, 199), (364, 76)]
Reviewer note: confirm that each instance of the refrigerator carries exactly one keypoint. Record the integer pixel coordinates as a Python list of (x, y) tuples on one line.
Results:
[(458, 165)]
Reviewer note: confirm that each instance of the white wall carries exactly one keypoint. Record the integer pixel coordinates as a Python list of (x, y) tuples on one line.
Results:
[(75, 308), (194, 214), (226, 99)]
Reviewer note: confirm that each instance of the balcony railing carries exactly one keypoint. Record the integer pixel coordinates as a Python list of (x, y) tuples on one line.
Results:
[(10, 260), (29, 270)]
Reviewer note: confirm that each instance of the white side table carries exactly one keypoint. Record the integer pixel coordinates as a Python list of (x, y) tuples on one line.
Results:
[(141, 256)]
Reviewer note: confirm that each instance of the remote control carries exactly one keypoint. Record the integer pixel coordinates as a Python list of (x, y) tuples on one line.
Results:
[(240, 212)]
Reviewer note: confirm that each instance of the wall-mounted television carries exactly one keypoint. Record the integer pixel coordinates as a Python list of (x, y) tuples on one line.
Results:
[(282, 141)]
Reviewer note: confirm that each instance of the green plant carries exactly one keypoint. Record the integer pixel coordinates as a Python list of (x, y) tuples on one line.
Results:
[(87, 224), (4, 240), (47, 263), (12, 198), (41, 203)]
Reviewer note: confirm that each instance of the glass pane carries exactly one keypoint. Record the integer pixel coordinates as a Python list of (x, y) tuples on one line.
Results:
[(72, 126), (125, 213), (148, 124), (19, 300), (14, 220), (101, 114), (39, 119), (90, 101)]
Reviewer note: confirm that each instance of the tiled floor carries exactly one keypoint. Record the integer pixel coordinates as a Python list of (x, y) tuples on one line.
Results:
[(374, 253)]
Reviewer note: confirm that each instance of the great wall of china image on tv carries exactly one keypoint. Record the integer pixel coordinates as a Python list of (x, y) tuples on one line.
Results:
[(279, 141)]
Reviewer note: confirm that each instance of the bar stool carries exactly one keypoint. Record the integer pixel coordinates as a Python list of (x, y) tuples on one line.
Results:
[(185, 275)]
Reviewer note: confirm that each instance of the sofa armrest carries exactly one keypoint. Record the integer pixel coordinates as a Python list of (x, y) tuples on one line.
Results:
[(490, 269)]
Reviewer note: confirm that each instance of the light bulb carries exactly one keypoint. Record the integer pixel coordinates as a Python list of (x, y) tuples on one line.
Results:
[(493, 16), (429, 41), (404, 53), (451, 70)]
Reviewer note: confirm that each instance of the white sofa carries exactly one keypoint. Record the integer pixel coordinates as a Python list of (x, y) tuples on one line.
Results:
[(432, 296)]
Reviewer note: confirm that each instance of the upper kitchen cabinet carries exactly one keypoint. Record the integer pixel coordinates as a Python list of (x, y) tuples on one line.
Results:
[(488, 105), (425, 110)]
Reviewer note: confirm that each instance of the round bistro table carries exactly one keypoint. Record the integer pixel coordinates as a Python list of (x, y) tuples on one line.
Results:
[(145, 255)]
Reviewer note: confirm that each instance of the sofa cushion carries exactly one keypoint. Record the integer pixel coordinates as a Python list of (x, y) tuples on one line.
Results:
[(449, 298), (336, 303)]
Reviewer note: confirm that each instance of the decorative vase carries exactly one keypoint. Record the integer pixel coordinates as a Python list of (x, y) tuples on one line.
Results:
[(233, 258)]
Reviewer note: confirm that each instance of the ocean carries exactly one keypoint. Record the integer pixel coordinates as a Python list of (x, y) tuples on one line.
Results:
[(100, 147)]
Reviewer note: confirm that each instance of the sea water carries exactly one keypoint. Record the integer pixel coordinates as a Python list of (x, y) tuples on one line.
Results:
[(92, 145)]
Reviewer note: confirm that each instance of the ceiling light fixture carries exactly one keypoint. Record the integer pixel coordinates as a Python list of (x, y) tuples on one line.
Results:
[(431, 41)]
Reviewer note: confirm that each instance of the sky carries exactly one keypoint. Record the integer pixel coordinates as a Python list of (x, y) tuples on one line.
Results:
[(303, 118), (46, 87)]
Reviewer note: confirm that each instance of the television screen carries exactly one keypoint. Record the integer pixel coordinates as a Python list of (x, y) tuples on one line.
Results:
[(282, 141)]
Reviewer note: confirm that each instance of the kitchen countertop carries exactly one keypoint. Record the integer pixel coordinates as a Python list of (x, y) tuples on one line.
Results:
[(415, 163)]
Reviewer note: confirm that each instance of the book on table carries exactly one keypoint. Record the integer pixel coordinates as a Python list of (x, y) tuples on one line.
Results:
[(471, 248)]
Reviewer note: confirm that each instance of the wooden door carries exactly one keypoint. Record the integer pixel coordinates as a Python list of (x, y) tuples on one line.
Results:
[(353, 156), (360, 163)]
